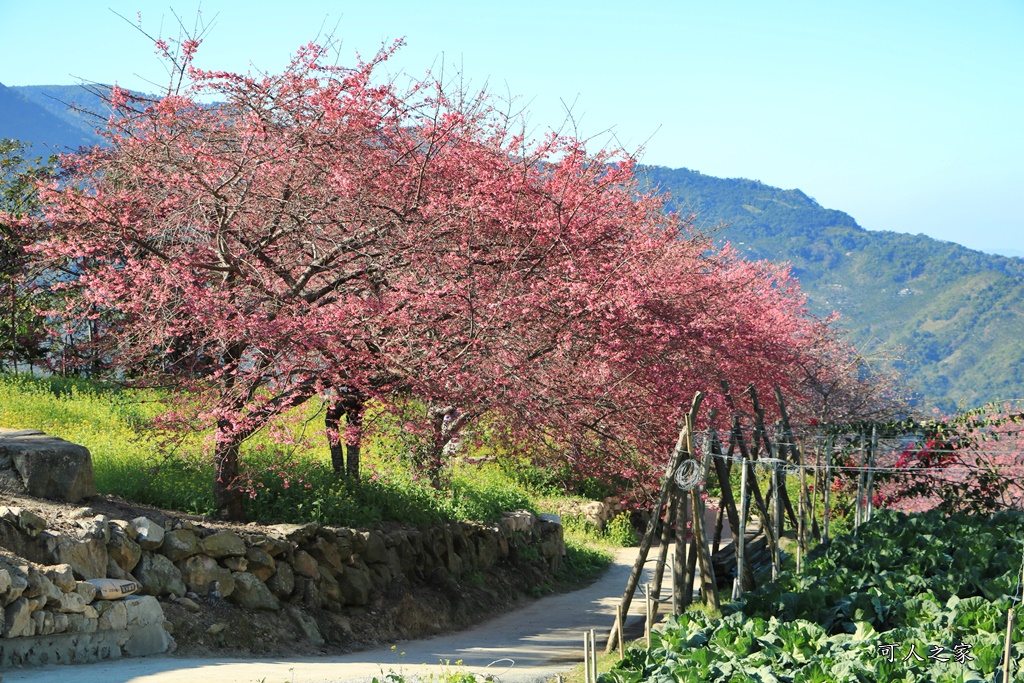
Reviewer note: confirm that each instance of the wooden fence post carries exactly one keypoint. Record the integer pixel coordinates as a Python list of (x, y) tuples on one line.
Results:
[(586, 657), (659, 567), (818, 477), (798, 460), (708, 585), (869, 502), (1008, 646), (777, 555), (686, 557), (648, 615), (828, 484), (861, 480), (738, 439), (741, 536), (645, 543), (729, 501)]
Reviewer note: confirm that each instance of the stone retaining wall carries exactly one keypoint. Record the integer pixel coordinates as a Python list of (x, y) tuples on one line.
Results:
[(51, 614)]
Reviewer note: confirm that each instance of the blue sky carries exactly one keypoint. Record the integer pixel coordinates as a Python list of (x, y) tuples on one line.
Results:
[(906, 115)]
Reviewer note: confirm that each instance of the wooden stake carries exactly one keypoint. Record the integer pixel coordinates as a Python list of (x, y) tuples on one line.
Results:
[(737, 438), (800, 525), (779, 453), (740, 539), (796, 457), (777, 555), (622, 633), (719, 524), (729, 502), (1006, 648), (686, 557), (645, 543), (860, 485), (869, 503), (659, 568), (815, 529), (593, 657), (648, 614), (678, 570), (828, 485), (709, 587), (586, 657)]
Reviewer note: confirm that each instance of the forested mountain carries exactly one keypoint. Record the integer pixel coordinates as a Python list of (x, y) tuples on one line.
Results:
[(40, 114), (956, 316)]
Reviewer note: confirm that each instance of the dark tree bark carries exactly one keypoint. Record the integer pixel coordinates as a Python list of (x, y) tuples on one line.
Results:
[(227, 493), (347, 441)]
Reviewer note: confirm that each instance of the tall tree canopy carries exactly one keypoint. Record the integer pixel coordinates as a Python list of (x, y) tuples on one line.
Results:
[(322, 228)]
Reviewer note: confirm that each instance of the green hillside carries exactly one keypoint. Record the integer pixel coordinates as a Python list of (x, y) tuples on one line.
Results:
[(956, 316)]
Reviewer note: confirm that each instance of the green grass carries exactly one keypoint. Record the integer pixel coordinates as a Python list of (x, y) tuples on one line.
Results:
[(288, 465)]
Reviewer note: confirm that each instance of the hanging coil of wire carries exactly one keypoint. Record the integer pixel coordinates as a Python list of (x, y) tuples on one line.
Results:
[(769, 463), (688, 475)]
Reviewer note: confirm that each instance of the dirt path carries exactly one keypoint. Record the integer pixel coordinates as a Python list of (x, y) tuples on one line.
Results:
[(536, 642)]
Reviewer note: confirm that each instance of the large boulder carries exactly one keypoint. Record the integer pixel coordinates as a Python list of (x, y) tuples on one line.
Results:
[(223, 544), (159, 576), (203, 575), (179, 544), (87, 557), (252, 593), (49, 467)]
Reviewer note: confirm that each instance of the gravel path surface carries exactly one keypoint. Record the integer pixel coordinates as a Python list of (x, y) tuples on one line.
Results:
[(533, 643)]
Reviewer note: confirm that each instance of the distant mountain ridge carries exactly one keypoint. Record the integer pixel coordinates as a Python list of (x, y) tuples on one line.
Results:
[(31, 114), (956, 316)]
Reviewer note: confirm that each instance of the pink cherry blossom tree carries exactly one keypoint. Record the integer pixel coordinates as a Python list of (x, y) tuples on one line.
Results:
[(322, 229)]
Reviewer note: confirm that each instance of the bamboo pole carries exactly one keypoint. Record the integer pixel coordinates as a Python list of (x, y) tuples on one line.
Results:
[(586, 657), (648, 615), (593, 656), (762, 430), (686, 556), (659, 567), (815, 529), (1007, 647), (777, 554), (858, 514), (676, 607), (801, 546), (709, 587), (827, 494), (741, 536), (719, 524), (645, 543), (796, 456), (870, 488), (729, 501), (740, 442), (621, 618)]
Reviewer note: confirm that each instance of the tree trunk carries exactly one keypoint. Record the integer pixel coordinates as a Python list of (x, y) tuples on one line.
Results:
[(348, 440), (435, 453), (226, 492), (332, 420)]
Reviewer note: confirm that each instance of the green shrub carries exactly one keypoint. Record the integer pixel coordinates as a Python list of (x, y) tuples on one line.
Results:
[(619, 531)]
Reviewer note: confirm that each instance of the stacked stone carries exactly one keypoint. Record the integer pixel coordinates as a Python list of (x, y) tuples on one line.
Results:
[(49, 617), (305, 565)]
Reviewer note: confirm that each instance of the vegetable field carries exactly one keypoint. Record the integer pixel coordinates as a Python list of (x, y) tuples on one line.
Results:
[(921, 597)]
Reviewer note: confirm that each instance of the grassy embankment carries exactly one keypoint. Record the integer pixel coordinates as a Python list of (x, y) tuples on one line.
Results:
[(289, 471)]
